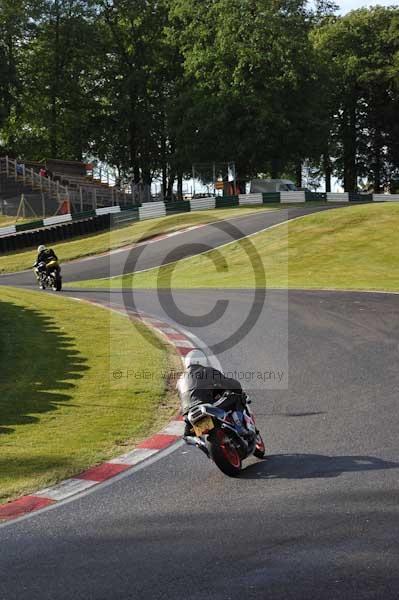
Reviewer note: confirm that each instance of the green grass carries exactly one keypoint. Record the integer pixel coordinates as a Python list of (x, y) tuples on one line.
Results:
[(353, 248), (61, 410), (6, 220), (117, 238)]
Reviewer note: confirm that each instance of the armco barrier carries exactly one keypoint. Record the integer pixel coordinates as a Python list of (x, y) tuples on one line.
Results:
[(386, 197), (337, 197), (247, 199), (55, 233), (203, 203), (125, 217), (355, 197), (58, 219), (108, 210), (177, 207), (152, 210), (4, 231), (315, 196), (292, 197), (226, 201), (29, 226), (271, 197), (83, 215)]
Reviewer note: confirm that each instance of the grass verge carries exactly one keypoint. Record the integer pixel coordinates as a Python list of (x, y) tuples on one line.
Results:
[(117, 238), (61, 409), (9, 220), (356, 248)]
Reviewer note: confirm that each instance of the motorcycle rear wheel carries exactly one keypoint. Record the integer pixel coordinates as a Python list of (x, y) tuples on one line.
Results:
[(57, 283), (223, 453)]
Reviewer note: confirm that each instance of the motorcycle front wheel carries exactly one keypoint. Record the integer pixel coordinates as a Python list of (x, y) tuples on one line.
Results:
[(223, 453), (260, 449)]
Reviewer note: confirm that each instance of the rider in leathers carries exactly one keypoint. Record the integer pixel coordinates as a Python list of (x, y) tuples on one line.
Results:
[(202, 384), (44, 256)]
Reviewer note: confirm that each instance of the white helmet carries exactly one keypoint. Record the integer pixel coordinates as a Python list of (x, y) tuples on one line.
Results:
[(195, 357), (41, 248)]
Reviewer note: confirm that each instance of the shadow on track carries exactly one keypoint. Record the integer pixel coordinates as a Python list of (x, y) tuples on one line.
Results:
[(313, 466)]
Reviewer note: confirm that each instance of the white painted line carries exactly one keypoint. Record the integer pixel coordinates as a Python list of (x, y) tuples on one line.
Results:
[(66, 488), (174, 428), (134, 457)]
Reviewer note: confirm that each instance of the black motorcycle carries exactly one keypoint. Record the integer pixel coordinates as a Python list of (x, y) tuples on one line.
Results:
[(226, 435), (49, 275)]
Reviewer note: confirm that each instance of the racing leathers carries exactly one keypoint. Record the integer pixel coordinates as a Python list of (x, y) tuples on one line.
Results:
[(204, 385)]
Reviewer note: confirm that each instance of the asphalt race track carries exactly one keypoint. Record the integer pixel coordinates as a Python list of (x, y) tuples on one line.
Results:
[(318, 519)]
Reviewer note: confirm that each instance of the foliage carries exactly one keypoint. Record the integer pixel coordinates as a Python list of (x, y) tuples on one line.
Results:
[(361, 52), (151, 87)]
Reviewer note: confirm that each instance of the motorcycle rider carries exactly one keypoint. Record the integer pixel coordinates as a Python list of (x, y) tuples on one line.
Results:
[(202, 384), (44, 255)]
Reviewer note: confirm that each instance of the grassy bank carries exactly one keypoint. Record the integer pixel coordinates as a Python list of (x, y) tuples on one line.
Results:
[(9, 220), (355, 248), (61, 407), (117, 238)]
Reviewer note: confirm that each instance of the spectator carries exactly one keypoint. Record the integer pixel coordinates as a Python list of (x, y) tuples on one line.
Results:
[(43, 172)]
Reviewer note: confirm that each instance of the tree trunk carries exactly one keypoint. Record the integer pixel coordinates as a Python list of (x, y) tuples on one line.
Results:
[(298, 175), (180, 186), (55, 86), (377, 161), (275, 168), (350, 148), (169, 191), (164, 167), (327, 170), (133, 154)]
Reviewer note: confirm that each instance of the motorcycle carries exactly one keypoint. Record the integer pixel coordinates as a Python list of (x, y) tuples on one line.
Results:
[(49, 275), (223, 436)]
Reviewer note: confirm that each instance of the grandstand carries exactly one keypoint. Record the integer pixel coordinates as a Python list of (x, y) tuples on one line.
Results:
[(69, 186)]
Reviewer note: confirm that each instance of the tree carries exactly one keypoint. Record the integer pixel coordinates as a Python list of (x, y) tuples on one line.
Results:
[(251, 64), (359, 52), (16, 30), (134, 85), (56, 85)]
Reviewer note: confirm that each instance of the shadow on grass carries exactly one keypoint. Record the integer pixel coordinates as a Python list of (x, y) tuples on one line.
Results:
[(39, 364)]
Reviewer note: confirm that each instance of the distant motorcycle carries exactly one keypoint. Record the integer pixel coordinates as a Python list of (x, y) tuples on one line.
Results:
[(49, 275), (221, 437)]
